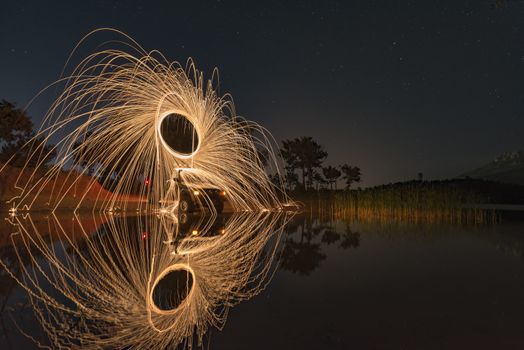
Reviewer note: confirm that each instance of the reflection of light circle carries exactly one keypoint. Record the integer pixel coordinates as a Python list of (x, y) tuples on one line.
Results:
[(168, 270), (182, 117)]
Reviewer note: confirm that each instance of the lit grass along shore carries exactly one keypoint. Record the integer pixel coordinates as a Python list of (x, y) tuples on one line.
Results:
[(453, 201)]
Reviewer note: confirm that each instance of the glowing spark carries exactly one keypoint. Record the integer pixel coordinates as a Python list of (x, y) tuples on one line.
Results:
[(122, 110), (140, 129)]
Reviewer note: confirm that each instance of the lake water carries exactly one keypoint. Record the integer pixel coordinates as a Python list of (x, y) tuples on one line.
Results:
[(292, 282)]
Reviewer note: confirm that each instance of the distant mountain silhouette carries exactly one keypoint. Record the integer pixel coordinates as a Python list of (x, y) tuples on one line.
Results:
[(508, 168)]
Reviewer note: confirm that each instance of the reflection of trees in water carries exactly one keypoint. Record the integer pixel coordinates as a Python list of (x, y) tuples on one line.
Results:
[(305, 236), (513, 248), (330, 236), (301, 257), (350, 239), (508, 240)]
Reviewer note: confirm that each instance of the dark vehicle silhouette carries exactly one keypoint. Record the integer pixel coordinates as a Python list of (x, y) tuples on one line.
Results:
[(193, 198), (200, 198)]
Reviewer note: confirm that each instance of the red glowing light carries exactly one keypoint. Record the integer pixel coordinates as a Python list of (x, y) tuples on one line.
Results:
[(144, 235)]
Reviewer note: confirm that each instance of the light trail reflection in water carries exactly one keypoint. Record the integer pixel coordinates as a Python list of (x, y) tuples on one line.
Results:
[(105, 289)]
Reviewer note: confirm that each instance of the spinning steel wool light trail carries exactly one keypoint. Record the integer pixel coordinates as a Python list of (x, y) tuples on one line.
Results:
[(133, 121), (108, 289)]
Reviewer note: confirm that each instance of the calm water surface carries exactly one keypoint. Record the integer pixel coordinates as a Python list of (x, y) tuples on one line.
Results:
[(351, 285)]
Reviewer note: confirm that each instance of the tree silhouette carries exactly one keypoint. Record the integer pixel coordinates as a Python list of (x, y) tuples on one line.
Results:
[(276, 180), (31, 152), (291, 179), (288, 153), (350, 174), (331, 174), (304, 154), (15, 124), (319, 179), (19, 145)]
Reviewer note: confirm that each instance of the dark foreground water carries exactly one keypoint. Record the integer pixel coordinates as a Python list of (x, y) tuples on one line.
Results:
[(338, 284)]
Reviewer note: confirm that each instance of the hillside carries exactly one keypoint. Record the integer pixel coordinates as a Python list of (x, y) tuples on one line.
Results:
[(483, 191), (69, 184), (507, 168)]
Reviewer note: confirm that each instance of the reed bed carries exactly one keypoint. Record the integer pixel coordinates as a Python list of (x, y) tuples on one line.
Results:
[(425, 204)]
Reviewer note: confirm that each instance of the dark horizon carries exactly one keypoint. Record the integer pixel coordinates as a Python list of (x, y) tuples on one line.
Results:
[(395, 89)]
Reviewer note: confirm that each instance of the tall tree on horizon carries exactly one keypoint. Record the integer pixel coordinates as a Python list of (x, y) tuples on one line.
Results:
[(304, 154), (18, 143), (15, 124), (331, 174), (319, 180), (351, 174)]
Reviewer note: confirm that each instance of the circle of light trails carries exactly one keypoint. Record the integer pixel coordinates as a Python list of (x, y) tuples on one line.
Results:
[(94, 291), (111, 109), (107, 119)]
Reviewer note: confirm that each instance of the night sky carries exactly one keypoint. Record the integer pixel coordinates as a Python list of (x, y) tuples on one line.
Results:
[(396, 88)]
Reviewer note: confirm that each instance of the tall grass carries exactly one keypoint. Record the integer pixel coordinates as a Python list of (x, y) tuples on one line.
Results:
[(413, 202)]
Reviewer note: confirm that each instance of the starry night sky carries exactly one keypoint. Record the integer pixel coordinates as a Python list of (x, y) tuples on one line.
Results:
[(395, 87)]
